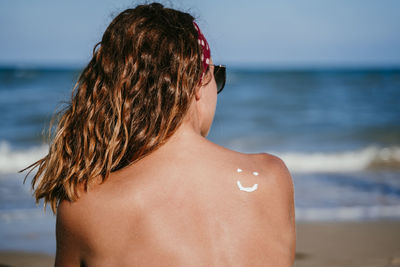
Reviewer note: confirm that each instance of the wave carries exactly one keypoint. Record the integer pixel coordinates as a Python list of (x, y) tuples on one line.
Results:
[(353, 213), (21, 214), (369, 158), (13, 160), (303, 214)]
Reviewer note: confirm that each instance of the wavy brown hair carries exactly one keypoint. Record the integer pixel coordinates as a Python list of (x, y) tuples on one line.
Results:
[(129, 99)]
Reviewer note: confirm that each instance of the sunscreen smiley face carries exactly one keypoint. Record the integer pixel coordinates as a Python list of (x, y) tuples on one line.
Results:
[(246, 189)]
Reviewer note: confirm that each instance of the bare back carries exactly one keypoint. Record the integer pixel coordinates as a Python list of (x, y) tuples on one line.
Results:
[(201, 206)]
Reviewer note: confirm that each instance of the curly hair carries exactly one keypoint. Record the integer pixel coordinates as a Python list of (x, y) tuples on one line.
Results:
[(127, 102)]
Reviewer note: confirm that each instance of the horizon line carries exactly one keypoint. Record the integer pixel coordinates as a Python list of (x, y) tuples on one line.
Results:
[(233, 66)]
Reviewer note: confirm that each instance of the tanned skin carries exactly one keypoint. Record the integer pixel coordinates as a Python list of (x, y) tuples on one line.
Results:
[(181, 206)]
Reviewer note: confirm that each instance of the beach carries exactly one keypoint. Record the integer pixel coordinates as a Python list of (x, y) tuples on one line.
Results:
[(315, 85), (318, 244), (24, 259), (337, 131), (348, 244)]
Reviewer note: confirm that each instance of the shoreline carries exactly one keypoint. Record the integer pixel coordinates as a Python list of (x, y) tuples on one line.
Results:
[(328, 244)]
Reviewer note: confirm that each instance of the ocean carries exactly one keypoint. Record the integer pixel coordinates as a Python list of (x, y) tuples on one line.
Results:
[(337, 130)]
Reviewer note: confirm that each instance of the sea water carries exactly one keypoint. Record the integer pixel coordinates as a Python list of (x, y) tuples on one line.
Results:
[(337, 130)]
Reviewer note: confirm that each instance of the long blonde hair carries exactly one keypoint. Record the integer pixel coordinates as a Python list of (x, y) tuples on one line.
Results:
[(129, 99)]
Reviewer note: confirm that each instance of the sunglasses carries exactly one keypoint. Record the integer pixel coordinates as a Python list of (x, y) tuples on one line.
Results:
[(220, 77)]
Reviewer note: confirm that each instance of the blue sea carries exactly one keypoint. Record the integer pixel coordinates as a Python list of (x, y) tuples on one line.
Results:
[(338, 131)]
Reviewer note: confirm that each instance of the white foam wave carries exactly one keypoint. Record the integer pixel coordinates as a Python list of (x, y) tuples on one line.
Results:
[(14, 215), (346, 161), (354, 213), (11, 161)]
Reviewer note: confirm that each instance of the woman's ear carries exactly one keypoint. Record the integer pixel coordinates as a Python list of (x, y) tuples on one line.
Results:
[(198, 91)]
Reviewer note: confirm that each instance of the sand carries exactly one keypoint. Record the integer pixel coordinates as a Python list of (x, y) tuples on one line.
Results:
[(333, 244), (348, 244), (25, 259)]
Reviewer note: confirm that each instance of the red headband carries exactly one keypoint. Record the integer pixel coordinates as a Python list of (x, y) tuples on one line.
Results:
[(206, 53)]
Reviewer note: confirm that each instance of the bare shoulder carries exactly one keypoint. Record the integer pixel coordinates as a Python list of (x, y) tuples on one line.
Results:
[(67, 236), (275, 187), (277, 169), (74, 220), (276, 201), (273, 167), (280, 189), (87, 226)]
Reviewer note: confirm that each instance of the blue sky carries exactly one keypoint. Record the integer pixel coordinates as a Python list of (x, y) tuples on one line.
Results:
[(258, 33)]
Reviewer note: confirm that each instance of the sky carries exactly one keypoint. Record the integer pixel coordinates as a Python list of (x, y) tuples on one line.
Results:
[(278, 33)]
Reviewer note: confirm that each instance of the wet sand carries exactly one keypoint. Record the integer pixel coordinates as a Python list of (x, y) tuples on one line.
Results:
[(348, 244), (327, 244), (25, 259)]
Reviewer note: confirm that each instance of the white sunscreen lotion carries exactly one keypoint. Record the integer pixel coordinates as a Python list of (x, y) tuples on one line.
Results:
[(247, 189)]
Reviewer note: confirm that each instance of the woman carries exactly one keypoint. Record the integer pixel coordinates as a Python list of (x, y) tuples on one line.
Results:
[(130, 174)]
